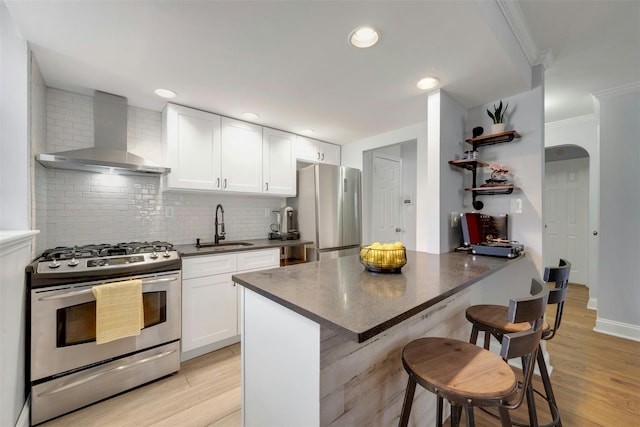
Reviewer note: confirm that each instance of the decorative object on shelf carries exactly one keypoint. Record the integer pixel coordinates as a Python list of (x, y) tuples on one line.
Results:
[(498, 173), (501, 185), (471, 155), (477, 131), (498, 117)]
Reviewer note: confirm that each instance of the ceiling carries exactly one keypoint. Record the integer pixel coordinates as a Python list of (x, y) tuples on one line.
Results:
[(290, 61)]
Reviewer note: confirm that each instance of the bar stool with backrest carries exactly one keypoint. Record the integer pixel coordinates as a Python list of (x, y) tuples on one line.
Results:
[(492, 320), (467, 375)]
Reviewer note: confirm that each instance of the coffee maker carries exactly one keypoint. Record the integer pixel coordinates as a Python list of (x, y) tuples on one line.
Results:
[(286, 226), (289, 224)]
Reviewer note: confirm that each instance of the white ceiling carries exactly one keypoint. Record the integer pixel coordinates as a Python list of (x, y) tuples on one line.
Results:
[(290, 62)]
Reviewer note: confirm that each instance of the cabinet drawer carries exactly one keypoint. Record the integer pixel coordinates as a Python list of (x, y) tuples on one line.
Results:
[(250, 260), (208, 265)]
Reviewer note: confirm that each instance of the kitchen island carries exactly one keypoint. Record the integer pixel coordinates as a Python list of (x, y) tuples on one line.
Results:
[(321, 341)]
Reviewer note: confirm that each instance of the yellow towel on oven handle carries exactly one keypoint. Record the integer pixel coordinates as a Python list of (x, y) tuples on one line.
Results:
[(119, 310)]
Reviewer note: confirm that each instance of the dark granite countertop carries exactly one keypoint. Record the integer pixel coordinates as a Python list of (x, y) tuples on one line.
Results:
[(340, 294), (191, 250)]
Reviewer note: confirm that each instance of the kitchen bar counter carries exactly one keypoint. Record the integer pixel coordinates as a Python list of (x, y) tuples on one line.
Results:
[(340, 294), (256, 244), (322, 341)]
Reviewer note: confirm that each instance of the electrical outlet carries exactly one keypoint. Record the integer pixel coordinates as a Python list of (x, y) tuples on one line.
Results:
[(455, 219), (168, 211), (267, 212)]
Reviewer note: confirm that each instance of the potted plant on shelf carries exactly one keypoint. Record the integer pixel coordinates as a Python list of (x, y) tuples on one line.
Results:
[(498, 117), (499, 174)]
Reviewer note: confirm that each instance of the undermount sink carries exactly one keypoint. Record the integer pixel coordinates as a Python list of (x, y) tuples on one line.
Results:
[(223, 246)]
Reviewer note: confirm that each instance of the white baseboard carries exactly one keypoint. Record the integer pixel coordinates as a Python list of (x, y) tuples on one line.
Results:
[(23, 419), (618, 329), (592, 304)]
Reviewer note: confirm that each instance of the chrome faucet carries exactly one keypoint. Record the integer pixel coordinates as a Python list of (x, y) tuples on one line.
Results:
[(219, 235)]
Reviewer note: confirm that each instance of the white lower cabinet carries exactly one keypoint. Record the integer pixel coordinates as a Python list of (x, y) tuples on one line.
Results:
[(210, 314)]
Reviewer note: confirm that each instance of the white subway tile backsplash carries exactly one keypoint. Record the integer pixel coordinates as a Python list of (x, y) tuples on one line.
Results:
[(83, 208)]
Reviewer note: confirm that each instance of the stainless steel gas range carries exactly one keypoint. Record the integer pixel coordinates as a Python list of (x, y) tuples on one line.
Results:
[(68, 370)]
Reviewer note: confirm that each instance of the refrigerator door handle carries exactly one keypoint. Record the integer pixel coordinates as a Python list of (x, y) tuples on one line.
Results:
[(344, 185)]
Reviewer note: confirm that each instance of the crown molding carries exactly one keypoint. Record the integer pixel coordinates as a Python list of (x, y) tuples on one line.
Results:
[(617, 91), (573, 121), (513, 14)]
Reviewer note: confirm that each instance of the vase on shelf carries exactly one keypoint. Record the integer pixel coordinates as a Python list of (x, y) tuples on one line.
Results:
[(497, 128)]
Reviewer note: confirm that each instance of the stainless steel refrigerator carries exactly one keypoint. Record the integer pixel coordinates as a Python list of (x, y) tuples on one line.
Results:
[(329, 213)]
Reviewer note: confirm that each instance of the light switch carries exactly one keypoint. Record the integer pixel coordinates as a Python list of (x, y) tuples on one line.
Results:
[(455, 219), (516, 206)]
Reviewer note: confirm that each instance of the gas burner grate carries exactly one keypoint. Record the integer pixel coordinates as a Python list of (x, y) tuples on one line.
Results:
[(104, 249)]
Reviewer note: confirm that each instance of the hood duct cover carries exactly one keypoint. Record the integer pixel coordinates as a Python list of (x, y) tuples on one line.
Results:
[(109, 155)]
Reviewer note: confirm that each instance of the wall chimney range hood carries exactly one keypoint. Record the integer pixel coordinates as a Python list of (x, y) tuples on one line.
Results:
[(109, 155)]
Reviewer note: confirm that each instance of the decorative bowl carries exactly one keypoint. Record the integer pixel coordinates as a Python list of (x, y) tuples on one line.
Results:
[(383, 260)]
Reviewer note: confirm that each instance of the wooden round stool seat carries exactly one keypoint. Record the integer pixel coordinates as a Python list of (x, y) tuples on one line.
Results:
[(467, 375), (494, 317), (490, 316), (459, 371), (494, 320)]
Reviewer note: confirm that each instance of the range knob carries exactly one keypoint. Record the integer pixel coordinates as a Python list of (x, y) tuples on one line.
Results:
[(54, 264), (153, 255), (166, 253), (73, 262)]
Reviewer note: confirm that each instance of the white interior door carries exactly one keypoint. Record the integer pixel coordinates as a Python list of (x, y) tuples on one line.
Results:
[(567, 216), (387, 199)]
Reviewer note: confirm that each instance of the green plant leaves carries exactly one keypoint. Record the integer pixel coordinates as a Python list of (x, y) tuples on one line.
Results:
[(498, 114)]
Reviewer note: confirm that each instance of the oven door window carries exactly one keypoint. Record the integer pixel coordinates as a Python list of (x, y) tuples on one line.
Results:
[(77, 324)]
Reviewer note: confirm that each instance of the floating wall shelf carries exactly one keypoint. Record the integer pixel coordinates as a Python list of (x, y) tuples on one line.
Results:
[(473, 165)]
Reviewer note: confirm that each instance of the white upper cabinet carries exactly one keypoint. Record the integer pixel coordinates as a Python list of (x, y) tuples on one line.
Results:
[(241, 156), (278, 162), (330, 153), (191, 148), (314, 151)]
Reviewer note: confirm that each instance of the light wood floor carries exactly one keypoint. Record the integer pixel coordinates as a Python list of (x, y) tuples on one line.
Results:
[(596, 380)]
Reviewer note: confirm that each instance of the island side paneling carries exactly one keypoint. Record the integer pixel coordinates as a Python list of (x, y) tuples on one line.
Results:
[(364, 383)]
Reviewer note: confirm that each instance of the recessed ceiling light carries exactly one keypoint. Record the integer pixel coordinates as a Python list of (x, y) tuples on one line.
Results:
[(363, 37), (307, 132), (165, 93), (428, 83), (250, 116)]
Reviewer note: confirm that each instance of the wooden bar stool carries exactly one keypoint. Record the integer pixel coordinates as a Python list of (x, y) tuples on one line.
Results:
[(493, 321), (467, 375)]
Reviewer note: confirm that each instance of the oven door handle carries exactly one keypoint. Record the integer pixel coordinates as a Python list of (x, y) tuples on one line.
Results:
[(90, 290), (97, 375)]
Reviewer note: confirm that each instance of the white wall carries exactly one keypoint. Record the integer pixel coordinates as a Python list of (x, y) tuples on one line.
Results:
[(14, 128), (352, 156), (525, 156), (14, 215), (409, 169), (583, 132), (453, 128), (619, 291)]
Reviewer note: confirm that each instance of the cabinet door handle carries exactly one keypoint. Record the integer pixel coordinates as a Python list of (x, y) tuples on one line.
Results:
[(225, 183), (318, 155), (323, 157), (218, 183), (267, 186)]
